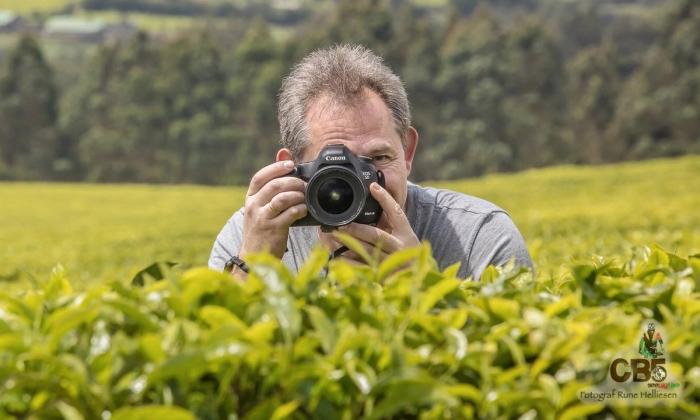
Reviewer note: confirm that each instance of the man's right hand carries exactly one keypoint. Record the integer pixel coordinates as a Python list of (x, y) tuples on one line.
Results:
[(272, 204)]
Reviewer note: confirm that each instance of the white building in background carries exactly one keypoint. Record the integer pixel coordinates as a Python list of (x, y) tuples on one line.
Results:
[(74, 29), (10, 22), (70, 28)]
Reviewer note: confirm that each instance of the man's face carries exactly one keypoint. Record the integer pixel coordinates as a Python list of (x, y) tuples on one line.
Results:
[(367, 129)]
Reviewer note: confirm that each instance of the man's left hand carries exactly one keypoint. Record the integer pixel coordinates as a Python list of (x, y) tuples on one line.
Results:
[(393, 233)]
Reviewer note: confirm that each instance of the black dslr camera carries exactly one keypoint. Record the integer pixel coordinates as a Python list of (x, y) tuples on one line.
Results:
[(337, 189)]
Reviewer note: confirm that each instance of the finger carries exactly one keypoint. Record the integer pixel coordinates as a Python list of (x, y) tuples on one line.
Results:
[(372, 248), (290, 215), (328, 241), (373, 236), (282, 202), (351, 261), (276, 187), (395, 215), (352, 256), (268, 173)]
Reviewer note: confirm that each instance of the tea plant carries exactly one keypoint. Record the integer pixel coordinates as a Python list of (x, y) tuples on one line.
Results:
[(394, 339)]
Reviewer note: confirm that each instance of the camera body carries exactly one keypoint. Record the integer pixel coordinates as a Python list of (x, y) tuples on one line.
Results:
[(337, 189)]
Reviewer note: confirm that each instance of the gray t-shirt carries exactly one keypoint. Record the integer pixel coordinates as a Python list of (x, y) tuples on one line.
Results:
[(459, 227)]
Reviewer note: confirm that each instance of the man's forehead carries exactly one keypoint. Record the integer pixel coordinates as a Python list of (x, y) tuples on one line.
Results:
[(365, 125)]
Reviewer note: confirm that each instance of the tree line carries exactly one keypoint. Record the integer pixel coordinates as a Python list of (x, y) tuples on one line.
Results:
[(490, 91)]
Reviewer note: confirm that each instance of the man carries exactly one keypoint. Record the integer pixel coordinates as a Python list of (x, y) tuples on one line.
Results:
[(346, 95)]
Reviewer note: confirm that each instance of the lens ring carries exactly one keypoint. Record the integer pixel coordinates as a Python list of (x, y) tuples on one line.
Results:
[(348, 208)]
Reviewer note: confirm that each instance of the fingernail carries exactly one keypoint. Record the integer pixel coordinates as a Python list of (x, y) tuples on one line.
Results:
[(289, 164), (375, 186)]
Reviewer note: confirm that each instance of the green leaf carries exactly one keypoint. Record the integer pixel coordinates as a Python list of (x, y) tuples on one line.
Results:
[(458, 343), (504, 308), (353, 245), (261, 332), (452, 270), (312, 267), (489, 275), (280, 301), (184, 366), (396, 261), (464, 391), (572, 300), (151, 412), (58, 285), (217, 316), (284, 410), (264, 410), (14, 342), (694, 262), (402, 394), (200, 281), (361, 374), (68, 411), (323, 326), (17, 307), (580, 411), (155, 271), (436, 292), (134, 312), (152, 346), (67, 319)]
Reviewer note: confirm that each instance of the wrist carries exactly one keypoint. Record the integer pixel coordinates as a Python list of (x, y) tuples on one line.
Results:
[(243, 253), (236, 263), (238, 274)]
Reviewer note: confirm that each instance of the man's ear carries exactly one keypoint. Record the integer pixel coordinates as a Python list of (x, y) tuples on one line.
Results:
[(284, 154), (411, 145)]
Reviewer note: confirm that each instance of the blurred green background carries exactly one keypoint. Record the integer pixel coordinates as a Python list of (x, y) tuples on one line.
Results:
[(185, 91)]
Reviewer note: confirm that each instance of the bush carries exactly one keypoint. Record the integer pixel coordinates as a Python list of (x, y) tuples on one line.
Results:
[(396, 339)]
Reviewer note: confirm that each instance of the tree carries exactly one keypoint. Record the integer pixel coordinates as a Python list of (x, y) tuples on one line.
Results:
[(419, 43), (533, 106), (125, 117), (593, 86), (257, 75), (28, 112), (367, 22), (471, 86), (658, 112), (198, 109)]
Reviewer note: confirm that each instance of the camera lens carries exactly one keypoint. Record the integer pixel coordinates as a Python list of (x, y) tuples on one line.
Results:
[(335, 195)]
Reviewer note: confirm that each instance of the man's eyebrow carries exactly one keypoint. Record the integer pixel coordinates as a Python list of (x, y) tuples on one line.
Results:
[(378, 149)]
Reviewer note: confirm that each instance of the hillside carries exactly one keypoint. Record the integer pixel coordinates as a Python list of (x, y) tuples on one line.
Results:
[(148, 92)]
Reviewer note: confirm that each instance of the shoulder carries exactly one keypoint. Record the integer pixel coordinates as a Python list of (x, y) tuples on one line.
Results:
[(464, 228), (444, 199)]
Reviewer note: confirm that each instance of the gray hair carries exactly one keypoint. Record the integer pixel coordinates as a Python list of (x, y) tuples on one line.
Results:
[(341, 72)]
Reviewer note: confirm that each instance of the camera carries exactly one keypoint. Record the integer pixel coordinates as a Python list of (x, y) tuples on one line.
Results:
[(337, 189)]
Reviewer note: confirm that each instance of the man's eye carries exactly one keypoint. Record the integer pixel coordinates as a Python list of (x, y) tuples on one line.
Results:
[(380, 158)]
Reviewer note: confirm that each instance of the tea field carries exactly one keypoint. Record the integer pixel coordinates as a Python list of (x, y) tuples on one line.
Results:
[(568, 213), (393, 339), (27, 7)]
